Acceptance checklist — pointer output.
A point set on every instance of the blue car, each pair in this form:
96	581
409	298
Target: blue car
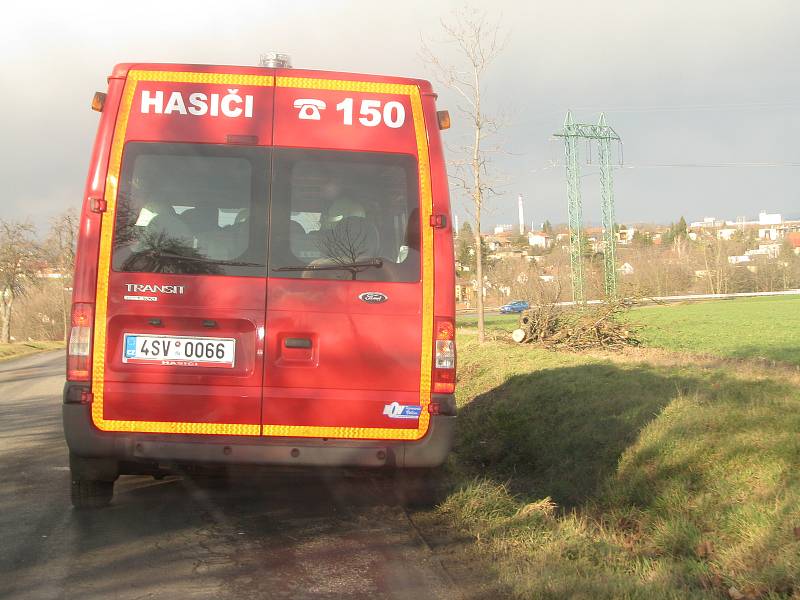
515	307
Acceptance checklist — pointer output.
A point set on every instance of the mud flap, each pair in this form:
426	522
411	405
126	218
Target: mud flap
93	469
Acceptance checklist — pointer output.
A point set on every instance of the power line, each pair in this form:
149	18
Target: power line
700	107
709	165
698	165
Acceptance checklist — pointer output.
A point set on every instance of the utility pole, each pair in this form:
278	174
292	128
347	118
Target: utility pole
607	206
603	133
574	208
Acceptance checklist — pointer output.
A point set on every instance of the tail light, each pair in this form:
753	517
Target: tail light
444	357
80	342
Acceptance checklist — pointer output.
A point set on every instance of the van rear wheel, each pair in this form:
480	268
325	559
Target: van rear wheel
90	493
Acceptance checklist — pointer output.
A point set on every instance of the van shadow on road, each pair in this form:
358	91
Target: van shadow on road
253	534
282	529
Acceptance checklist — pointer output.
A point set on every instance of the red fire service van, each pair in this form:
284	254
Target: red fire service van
264	275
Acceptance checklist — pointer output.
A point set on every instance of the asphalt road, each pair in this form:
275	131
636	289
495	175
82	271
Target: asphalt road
260	535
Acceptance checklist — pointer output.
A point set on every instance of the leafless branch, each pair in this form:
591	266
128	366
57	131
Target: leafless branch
477	43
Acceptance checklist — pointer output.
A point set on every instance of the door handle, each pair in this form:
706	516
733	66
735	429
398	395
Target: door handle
297	343
209	323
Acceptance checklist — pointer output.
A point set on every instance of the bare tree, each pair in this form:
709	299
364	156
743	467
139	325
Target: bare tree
478	43
60	253
346	247
716	266
18	256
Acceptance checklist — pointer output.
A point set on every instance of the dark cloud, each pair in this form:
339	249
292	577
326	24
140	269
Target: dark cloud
687	84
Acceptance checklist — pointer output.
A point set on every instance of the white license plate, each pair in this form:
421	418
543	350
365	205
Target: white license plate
177	350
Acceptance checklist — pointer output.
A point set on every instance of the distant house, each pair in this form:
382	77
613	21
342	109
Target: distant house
793	238
768	233
739	260
498	241
625	235
508	253
726	233
765	218
539	239
707	223
626	269
768	250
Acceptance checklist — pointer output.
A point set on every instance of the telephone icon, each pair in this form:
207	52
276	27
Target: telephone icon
309	108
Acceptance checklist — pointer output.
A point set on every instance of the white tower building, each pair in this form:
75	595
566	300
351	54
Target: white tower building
521	217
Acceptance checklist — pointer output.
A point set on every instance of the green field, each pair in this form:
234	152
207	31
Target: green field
760	328
764	328
582	476
494	322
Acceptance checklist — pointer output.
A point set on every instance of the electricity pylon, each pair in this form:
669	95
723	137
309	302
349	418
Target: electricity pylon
601	132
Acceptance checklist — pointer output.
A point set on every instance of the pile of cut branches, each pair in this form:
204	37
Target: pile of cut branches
577	327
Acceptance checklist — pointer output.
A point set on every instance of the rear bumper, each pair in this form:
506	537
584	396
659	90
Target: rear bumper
85	441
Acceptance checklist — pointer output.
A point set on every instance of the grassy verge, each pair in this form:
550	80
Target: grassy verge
22	348
588	477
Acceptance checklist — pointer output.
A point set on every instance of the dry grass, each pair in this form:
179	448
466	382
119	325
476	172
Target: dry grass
8	351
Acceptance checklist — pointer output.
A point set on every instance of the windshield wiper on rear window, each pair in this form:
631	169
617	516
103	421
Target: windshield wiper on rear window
202	259
354	267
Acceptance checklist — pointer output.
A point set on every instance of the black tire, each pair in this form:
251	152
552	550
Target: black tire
90	493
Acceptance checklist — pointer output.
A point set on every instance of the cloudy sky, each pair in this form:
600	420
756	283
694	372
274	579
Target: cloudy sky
704	93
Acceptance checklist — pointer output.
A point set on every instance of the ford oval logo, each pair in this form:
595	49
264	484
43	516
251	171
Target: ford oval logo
373	297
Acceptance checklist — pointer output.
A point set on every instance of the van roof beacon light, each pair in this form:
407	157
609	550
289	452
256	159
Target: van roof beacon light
275	60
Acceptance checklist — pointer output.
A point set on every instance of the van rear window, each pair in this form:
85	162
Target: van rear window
203	209
344	215
192	209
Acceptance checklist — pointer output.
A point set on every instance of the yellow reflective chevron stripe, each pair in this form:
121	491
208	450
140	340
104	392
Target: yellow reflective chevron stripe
104	261
106	237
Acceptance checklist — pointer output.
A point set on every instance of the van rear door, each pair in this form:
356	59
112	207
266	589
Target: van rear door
350	288
181	277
